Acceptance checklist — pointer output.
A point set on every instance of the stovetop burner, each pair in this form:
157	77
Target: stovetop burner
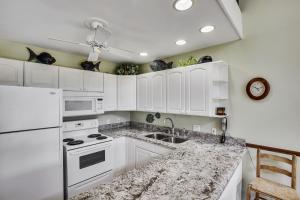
75	142
94	135
101	137
68	140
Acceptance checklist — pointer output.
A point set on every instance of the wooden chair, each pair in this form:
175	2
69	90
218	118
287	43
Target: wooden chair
267	188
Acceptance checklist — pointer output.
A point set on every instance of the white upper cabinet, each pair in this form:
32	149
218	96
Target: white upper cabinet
110	92
144	92
151	92
158	85
197	90
93	81
80	80
40	75
70	79
126	92
176	90
11	72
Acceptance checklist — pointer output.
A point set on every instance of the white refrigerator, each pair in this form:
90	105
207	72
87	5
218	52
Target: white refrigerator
31	158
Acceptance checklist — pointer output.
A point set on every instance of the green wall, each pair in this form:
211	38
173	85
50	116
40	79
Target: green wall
18	51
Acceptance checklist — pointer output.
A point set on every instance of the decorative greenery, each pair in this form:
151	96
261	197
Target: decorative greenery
127	69
190	61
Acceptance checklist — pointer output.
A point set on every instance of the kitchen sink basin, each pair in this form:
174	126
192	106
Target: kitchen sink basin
157	136
175	140
166	138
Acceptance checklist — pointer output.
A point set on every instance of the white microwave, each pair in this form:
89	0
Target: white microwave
82	103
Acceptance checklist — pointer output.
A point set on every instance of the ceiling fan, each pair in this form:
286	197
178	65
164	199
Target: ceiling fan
99	29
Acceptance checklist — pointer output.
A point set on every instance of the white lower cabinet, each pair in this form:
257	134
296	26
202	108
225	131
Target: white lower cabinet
11	72
110	92
119	155
40	75
233	189
132	153
140	152
142	156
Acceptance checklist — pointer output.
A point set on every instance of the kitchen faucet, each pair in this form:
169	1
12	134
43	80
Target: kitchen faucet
172	123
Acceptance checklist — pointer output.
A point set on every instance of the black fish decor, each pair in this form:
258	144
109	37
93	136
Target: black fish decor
150	118
205	59
90	66
43	57
158	65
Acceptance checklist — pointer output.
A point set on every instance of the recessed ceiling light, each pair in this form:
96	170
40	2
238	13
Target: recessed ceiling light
143	54
207	29
182	5
180	42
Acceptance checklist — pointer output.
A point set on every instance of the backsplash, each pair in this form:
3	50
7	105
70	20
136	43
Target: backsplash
113	118
181	121
178	131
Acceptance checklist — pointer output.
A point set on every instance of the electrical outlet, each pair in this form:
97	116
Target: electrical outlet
214	131
197	128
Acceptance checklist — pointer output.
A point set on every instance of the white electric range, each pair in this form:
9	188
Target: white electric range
87	156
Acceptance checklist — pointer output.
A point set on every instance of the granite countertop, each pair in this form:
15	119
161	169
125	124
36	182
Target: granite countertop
199	168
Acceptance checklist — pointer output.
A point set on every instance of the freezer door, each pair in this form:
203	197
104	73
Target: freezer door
26	108
31	165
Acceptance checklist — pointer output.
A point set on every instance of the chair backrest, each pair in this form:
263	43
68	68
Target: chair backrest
292	162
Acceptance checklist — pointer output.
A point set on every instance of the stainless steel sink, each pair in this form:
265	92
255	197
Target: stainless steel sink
166	138
157	136
175	140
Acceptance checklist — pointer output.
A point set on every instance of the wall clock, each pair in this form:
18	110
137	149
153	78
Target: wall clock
258	88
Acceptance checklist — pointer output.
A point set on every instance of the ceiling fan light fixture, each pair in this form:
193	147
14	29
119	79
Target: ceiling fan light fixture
182	5
180	42
143	54
207	29
93	56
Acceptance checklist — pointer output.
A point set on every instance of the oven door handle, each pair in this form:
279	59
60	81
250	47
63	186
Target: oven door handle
77	152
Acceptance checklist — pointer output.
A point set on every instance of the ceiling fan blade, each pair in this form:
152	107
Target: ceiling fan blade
120	52
70	42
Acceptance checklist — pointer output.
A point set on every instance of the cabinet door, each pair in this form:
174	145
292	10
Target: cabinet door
176	90
142	156
144	92
119	155
70	79
11	72
158	86
40	75
126	92
110	92
144	151
197	90
93	81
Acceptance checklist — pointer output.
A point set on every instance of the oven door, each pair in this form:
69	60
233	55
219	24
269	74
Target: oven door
75	106
87	162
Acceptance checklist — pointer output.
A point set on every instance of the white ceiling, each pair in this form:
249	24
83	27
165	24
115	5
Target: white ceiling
150	26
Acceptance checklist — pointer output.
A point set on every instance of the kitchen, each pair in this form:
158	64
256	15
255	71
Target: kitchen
182	119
